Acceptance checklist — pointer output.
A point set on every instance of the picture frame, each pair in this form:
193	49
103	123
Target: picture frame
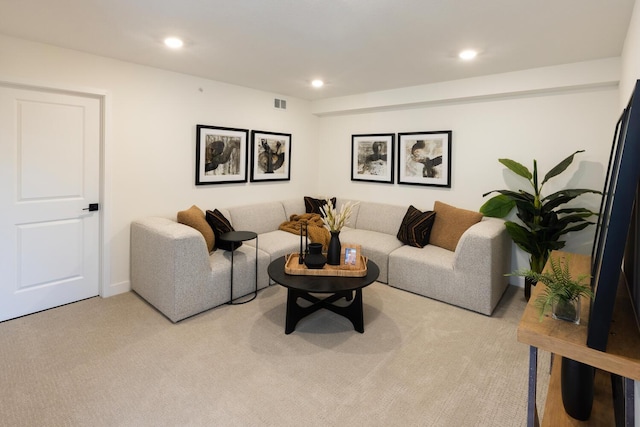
221	155
350	256
424	158
275	146
372	157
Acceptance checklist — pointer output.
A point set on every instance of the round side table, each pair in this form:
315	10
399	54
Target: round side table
235	237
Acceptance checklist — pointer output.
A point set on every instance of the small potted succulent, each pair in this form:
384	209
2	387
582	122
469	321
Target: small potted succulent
562	293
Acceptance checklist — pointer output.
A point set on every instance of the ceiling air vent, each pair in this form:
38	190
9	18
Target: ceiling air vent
280	104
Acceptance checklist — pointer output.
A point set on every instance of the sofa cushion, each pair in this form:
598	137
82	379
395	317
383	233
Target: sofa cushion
380	217
221	225
195	217
375	246
312	205
259	217
416	227
293	207
450	224
278	243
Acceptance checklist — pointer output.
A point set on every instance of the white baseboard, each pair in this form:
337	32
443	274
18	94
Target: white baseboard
116	288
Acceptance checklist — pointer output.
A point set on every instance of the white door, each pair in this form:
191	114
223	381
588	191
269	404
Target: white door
49	174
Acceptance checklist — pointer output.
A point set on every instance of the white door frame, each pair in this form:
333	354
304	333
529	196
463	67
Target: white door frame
104	277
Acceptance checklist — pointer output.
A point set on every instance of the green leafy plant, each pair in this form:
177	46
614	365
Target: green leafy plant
560	286
543	222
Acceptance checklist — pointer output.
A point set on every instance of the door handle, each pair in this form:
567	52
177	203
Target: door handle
92	207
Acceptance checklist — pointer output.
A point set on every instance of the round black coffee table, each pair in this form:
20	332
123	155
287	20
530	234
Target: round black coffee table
336	287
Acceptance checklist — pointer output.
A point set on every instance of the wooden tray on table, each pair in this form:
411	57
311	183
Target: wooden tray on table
343	270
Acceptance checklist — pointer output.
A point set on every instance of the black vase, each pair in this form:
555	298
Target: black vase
333	252
314	258
577	388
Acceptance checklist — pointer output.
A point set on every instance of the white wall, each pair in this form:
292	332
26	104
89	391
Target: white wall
544	114
630	58
152	115
546	125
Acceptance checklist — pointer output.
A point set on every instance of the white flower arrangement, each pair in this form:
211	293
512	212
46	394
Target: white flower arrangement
333	219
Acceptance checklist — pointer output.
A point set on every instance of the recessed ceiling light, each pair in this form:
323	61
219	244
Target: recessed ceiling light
173	42
468	54
317	83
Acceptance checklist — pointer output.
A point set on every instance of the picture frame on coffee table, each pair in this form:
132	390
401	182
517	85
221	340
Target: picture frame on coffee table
372	157
270	156
424	158
221	155
349	255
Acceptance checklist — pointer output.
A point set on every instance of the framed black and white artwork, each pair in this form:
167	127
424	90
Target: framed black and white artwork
424	158
372	157
221	155
270	156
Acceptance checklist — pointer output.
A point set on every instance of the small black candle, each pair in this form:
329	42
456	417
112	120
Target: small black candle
300	260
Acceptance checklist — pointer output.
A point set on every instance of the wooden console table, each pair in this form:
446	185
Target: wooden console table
569	340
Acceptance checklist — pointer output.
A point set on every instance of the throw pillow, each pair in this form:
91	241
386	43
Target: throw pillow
312	205
450	224
220	225
416	227
194	217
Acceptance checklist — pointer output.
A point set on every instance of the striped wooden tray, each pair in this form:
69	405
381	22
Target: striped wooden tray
294	268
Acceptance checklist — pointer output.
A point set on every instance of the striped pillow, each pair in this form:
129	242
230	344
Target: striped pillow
220	225
416	227
312	205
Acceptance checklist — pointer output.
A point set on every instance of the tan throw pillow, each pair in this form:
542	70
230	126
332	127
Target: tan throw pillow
194	217
450	224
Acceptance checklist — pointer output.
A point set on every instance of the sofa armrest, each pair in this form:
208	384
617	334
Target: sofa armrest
169	265
483	257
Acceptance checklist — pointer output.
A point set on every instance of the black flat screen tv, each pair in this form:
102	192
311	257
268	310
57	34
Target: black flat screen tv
616	238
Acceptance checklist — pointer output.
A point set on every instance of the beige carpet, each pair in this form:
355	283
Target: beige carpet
119	362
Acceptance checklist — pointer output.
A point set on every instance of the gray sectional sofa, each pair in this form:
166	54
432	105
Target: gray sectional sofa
172	269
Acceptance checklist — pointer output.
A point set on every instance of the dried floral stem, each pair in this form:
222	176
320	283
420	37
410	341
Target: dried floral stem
333	219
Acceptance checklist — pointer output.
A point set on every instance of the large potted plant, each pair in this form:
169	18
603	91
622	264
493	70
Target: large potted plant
543	222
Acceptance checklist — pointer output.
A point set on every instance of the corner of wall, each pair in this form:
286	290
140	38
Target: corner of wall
630	58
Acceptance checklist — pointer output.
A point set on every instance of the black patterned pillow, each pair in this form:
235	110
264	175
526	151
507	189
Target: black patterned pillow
312	205
416	227
220	225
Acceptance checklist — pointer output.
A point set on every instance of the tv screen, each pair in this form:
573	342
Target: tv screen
614	233
632	258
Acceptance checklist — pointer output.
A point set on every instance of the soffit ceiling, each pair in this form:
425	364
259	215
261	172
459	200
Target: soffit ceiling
356	46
